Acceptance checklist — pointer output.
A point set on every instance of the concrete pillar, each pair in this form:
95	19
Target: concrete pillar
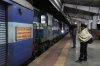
79	26
89	24
94	25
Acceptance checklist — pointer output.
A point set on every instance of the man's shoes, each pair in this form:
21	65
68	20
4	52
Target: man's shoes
79	61
73	47
84	59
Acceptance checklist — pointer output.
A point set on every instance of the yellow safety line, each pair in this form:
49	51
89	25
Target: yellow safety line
62	58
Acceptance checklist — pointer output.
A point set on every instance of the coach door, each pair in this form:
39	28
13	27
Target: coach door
3	34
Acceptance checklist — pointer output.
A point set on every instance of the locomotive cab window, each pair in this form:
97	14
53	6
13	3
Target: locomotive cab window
43	19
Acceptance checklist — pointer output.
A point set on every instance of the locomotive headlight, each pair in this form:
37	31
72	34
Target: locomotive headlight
62	31
98	22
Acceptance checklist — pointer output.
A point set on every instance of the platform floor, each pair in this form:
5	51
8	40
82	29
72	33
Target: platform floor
93	55
55	56
61	54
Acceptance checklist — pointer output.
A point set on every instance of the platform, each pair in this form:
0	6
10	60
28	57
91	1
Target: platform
55	56
61	54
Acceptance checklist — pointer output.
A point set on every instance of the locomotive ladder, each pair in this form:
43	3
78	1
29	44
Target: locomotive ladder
2	35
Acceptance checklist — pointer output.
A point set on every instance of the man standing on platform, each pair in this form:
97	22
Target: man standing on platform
84	36
74	33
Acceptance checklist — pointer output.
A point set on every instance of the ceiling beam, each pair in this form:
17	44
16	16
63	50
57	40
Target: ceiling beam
91	9
81	16
79	19
54	3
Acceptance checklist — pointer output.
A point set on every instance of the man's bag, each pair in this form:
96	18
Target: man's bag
90	41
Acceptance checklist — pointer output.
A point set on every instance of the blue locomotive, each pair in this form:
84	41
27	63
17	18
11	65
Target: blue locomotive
46	31
25	31
42	30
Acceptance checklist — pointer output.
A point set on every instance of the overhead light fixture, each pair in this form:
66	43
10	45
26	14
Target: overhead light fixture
75	23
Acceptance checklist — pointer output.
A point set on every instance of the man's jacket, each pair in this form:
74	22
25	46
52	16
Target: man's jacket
84	36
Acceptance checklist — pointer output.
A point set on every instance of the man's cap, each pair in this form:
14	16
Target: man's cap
83	25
